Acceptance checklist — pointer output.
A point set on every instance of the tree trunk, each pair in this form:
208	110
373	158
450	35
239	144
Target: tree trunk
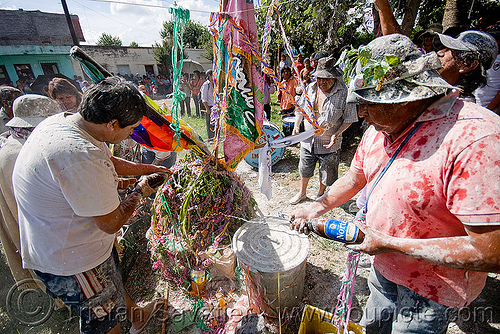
377	31
450	17
410	16
332	33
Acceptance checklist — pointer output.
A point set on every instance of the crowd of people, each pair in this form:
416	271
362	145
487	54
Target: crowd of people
423	167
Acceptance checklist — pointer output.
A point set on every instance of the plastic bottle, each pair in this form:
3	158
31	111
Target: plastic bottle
337	230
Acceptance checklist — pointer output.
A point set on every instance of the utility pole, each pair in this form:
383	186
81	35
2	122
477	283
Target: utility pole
70	23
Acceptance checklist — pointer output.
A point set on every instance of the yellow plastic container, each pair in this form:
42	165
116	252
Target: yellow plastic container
317	321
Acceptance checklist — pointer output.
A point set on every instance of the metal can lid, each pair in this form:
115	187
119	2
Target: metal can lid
268	245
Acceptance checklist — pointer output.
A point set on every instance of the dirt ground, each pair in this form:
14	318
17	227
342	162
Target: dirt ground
325	268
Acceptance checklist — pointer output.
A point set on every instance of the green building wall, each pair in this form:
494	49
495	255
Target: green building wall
35	56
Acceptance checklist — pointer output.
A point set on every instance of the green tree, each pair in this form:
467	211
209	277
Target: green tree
163	52
316	25
417	15
329	25
469	14
195	36
198	36
134	44
108	40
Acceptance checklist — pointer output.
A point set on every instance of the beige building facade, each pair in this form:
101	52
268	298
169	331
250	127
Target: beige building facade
132	60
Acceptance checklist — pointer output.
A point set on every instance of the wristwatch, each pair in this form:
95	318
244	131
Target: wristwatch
134	190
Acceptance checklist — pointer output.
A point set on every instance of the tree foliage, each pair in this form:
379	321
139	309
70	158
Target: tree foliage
195	36
316	25
109	40
134	44
472	14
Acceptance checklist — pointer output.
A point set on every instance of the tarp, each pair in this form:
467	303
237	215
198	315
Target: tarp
189	66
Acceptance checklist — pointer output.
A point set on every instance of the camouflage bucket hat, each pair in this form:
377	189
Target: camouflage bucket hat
30	109
478	42
432	30
326	69
391	69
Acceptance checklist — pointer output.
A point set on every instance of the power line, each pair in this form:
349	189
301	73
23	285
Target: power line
109	18
191	10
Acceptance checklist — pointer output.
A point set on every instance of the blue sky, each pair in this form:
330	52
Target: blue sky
139	23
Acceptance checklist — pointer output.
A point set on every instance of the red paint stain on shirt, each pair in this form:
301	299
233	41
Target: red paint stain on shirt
462	194
422	141
414	274
433	292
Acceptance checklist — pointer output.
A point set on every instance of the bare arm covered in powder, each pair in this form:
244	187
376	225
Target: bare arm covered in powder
479	250
125	167
340	192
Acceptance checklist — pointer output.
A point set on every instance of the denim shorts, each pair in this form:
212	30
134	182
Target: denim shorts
97	295
328	168
393	308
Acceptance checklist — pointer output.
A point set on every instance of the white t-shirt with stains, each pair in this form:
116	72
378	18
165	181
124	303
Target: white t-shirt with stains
485	94
64	177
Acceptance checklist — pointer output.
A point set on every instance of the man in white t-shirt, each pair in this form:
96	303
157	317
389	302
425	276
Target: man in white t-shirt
489	95
207	98
65	183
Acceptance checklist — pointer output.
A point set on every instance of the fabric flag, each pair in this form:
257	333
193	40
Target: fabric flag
265	159
155	133
243	117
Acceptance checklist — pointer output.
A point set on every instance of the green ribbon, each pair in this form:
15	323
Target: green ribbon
180	18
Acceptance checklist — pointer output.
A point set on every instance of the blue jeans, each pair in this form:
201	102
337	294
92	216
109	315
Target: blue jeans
97	295
393	308
149	156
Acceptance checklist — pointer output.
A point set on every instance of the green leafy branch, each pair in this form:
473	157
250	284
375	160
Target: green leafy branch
376	70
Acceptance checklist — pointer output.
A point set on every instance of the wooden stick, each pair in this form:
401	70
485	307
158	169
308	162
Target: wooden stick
165	310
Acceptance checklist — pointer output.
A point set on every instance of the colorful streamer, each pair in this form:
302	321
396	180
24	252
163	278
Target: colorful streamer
216	19
238	84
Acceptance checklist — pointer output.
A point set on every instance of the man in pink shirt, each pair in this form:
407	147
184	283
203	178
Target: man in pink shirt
433	215
290	82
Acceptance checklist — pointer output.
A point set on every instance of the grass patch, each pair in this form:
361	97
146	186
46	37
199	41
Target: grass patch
199	124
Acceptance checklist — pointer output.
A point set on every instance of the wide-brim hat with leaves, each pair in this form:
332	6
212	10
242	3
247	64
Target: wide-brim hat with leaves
391	69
